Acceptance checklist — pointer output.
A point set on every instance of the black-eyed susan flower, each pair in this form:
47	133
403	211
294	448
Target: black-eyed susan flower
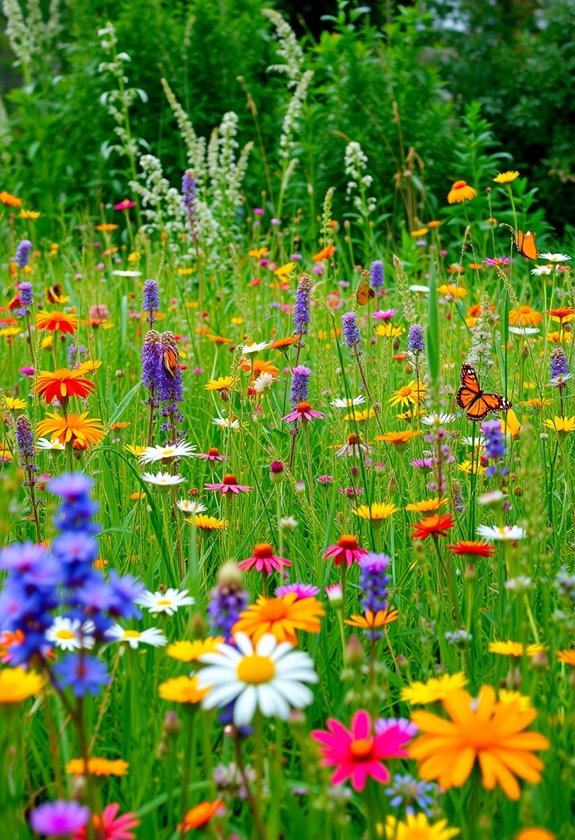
506	177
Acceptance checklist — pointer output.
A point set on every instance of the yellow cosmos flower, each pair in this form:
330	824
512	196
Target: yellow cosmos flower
29	214
410	394
483	731
418	827
182	690
427	505
15	403
516	649
452	291
471	467
388	330
360	416
17	684
419	232
257	253
285	270
208	523
506	177
563	425
535	402
437	688
186	651
222	383
10	332
506	696
376	512
134	450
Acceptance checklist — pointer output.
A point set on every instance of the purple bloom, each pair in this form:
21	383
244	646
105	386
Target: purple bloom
302	590
373	582
169	385
299	384
26	295
25	445
152	359
151	296
227	600
189	193
494	445
493	261
377	274
422	463
71	485
23	252
351	333
301	308
59	819
415	339
559	367
76	352
384	314
85	674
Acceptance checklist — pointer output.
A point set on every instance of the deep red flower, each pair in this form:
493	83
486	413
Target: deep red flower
433	526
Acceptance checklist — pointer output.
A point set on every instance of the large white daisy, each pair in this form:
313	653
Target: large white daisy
164	453
163	479
152	636
168	602
268	677
507	532
71	634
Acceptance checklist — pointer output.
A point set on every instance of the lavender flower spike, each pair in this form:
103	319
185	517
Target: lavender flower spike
23	252
299	384
377	275
301	308
351	333
151	297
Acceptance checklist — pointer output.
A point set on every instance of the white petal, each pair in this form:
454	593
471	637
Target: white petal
216	676
298	695
270	702
244	643
245	706
266	645
221	696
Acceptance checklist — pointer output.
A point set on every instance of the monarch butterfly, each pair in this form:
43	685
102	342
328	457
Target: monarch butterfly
526	245
364	292
171	360
475	402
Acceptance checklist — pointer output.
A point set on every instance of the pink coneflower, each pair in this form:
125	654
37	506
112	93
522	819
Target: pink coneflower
229	484
346	549
264	560
302	590
422	463
384	314
325	479
110	827
27	371
126	204
494	261
358	753
213	454
353	447
303	412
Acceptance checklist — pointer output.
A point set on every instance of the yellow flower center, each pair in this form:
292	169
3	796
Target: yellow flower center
164	603
256	669
132	634
361	748
65	634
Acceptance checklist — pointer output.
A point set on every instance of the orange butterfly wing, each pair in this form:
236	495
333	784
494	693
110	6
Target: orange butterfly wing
526	245
364	293
475	402
171	361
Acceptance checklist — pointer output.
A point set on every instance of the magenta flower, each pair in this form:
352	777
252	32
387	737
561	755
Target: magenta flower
111	827
59	819
302	590
229	484
264	560
384	314
213	454
303	412
345	550
126	204
358	753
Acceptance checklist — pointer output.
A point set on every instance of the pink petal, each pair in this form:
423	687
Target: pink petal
361	724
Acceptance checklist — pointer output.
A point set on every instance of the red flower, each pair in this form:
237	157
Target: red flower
433	526
472	548
264	560
229	484
347	548
110	827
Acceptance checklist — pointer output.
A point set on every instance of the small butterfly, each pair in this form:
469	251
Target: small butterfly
364	292
475	402
171	361
526	245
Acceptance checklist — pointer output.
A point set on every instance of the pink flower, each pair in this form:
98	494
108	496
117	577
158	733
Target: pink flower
358	753
384	314
126	204
229	484
303	411
346	549
107	827
212	454
264	560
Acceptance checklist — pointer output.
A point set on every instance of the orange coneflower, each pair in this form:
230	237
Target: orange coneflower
524	316
460	192
62	384
282	617
78	429
57	321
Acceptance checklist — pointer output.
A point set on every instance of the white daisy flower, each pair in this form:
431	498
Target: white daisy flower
263	382
70	634
163	479
288	523
161	453
492	497
554	258
45	443
268	676
340	402
226	423
478	441
524	330
507	532
168	602
120	273
188	506
542	270
134	638
248	349
437	419
422	289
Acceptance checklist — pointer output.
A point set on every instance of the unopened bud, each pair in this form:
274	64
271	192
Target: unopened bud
172	724
354	652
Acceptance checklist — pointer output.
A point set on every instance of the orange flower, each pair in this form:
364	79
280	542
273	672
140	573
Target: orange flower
97	767
371	620
524	316
10	200
324	254
63	384
53	321
106	227
201	815
284	343
567	656
281	617
460	192
433	526
259	366
78	429
472	548
398	438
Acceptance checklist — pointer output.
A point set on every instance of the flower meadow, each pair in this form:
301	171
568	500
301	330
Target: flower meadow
287	506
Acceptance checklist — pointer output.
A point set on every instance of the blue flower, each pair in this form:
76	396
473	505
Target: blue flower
84	674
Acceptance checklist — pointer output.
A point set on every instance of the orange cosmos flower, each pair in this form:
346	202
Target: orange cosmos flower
324	254
460	192
78	429
433	526
57	321
284	343
97	767
398	438
10	200
567	656
371	620
201	814
281	617
524	316
259	366
485	731
62	384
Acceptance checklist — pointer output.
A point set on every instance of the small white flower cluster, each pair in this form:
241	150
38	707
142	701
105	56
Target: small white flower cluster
288	49
355	163
32	38
225	172
162	205
291	121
